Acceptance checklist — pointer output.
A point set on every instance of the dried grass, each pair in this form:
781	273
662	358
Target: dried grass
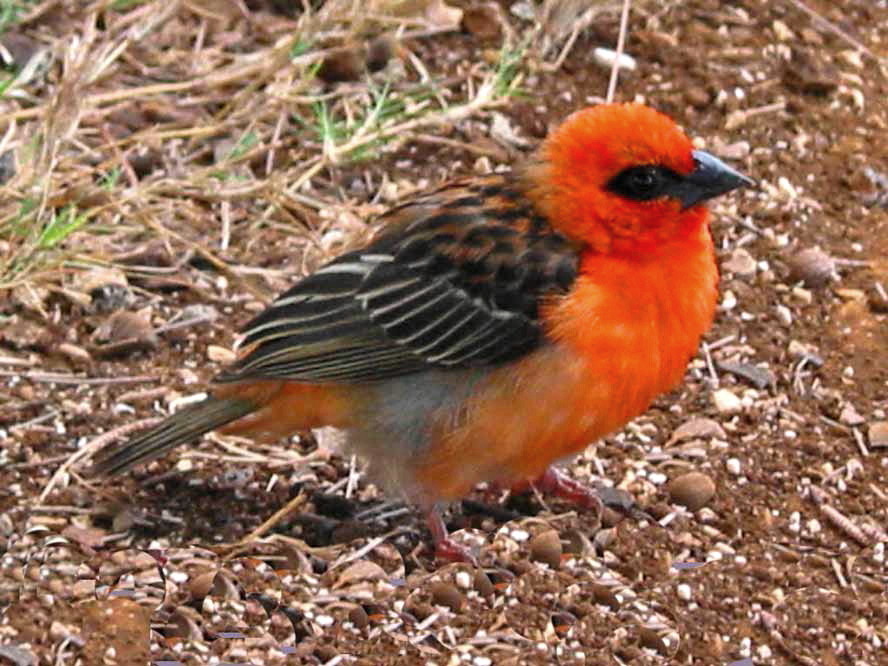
174	121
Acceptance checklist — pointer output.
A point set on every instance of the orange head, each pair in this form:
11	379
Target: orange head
623	178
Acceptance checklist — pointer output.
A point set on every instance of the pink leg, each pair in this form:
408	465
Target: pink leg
445	547
556	482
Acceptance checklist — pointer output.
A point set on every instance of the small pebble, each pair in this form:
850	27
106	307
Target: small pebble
784	315
607	57
684	592
463	580
740	263
729	301
358	617
519	535
445	594
483	584
733	466
878	434
692	490
546	547
850	416
813	267
220	354
802	295
726	402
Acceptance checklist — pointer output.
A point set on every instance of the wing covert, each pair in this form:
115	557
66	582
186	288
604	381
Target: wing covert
454	281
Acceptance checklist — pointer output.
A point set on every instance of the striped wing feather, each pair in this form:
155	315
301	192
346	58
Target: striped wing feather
455	281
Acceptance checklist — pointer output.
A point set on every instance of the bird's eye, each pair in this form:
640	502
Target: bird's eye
643	180
641	183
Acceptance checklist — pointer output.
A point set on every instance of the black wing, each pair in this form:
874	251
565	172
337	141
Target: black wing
455	281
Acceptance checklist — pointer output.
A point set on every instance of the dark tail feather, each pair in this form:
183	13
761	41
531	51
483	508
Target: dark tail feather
183	426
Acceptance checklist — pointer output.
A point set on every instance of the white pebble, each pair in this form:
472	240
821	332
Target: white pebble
657	478
463	580
726	402
784	315
763	652
684	592
733	466
519	535
607	58
729	301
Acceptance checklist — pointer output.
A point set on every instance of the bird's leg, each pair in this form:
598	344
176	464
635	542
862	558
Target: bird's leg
445	547
559	484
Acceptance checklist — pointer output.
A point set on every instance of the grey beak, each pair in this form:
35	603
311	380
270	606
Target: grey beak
709	179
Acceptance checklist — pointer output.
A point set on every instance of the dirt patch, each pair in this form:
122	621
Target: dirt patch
784	564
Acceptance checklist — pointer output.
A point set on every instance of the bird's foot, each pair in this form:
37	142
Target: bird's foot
557	483
445	547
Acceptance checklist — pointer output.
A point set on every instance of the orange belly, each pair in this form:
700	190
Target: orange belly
616	347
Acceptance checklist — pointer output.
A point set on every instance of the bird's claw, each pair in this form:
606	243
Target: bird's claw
450	551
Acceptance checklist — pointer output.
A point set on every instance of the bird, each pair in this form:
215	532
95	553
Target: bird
495	326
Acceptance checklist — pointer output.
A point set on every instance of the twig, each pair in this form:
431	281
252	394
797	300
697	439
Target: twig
621	41
275	518
839	520
93	446
77	380
10	360
832	27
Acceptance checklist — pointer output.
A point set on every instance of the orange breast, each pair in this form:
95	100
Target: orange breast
623	336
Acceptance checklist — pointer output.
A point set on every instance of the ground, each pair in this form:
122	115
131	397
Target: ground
167	167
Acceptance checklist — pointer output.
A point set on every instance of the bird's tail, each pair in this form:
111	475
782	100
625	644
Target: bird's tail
183	426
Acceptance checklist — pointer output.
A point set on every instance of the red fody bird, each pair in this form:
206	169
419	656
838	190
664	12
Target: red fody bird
496	324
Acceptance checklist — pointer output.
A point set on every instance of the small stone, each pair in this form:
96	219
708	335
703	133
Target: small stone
74	353
483	21
463	579
692	490
799	350
784	315
811	36
726	402
850	416
358	617
878	434
546	547
608	57
782	31
483	584
684	592
523	10
803	296
696	428
740	263
813	267
733	466
735	151
698	97
124	332
760	378
852	57
851	295
809	73
445	594
220	354
729	301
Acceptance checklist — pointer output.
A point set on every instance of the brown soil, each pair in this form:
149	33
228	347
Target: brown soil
786	563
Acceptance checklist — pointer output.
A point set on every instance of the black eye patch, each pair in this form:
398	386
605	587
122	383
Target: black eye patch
643	183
